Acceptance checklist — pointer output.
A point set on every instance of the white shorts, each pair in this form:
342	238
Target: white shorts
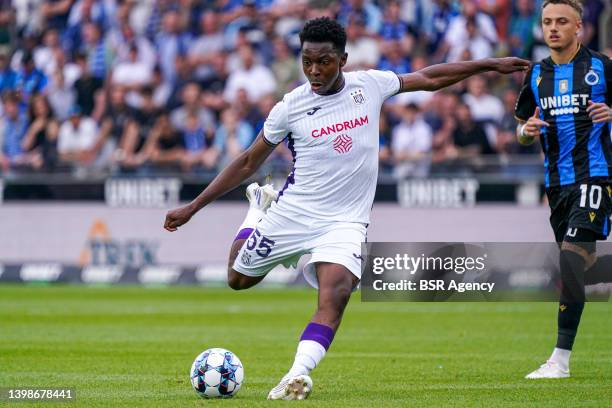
280	239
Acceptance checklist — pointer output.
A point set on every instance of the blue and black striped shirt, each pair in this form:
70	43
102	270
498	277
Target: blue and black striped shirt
575	148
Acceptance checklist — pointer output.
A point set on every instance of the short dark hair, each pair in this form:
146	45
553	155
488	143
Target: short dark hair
324	29
575	4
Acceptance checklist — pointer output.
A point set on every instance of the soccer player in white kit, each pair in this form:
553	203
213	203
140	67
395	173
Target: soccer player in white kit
331	127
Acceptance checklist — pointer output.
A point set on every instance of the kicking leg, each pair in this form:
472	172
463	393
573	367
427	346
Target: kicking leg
336	283
260	199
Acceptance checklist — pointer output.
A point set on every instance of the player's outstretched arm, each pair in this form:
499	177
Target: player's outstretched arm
241	168
442	75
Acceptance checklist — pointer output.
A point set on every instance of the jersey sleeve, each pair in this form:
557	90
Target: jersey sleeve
276	125
387	81
525	103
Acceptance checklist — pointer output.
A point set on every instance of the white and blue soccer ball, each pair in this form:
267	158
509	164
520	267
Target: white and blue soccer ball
216	373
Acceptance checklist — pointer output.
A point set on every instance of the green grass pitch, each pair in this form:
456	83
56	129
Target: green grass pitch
133	346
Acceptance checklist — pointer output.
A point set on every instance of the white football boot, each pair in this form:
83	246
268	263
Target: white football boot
549	369
261	197
292	388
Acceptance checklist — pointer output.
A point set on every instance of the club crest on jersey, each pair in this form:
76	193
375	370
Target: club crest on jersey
358	96
563	86
591	78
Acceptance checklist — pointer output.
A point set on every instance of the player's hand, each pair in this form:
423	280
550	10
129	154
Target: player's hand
509	65
599	112
534	125
177	217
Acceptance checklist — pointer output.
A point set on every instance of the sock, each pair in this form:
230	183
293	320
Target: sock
250	221
600	272
571	303
561	357
313	345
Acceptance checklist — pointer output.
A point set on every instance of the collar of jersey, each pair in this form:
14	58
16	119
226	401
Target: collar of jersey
571	59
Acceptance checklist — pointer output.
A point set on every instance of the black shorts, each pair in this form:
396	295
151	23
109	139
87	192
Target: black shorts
580	206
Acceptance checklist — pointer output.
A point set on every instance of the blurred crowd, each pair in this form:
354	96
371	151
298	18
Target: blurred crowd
149	85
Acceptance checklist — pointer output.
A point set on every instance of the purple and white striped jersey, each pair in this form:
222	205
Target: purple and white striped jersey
334	141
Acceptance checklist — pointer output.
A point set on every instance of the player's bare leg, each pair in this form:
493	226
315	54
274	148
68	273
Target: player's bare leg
260	198
336	284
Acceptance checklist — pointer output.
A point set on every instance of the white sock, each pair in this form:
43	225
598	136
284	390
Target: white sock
309	354
254	215
561	357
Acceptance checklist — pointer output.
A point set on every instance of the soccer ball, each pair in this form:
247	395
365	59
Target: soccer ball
216	373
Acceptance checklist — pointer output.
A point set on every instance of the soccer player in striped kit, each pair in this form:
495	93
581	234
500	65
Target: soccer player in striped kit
565	102
331	125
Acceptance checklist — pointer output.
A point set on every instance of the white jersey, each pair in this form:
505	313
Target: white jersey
335	141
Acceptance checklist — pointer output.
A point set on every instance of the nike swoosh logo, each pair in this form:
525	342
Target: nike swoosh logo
358	256
313	111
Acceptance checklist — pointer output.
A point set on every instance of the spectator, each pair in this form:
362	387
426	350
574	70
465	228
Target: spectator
99	57
476	46
192	105
436	27
87	87
285	68
130	153
256	79
20	16
393	59
77	139
469	138
207	46
124	39
88	10
116	120
133	73
593	10
198	151
457	34
184	76
45	55
484	106
61	96
171	43
162	91
214	86
420	98
370	13
363	51
411	143
8	77
29	80
164	147
393	28
523	21
13	127
233	136
41	137
56	12
500	11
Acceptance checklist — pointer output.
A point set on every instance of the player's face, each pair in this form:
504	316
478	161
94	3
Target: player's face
322	65
561	24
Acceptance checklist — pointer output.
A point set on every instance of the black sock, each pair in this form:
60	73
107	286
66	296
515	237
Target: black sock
571	303
600	272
